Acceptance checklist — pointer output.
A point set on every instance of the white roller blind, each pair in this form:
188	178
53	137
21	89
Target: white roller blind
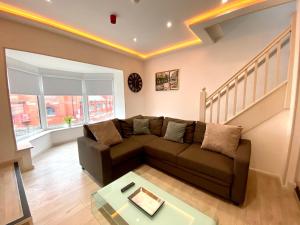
99	87
62	86
23	83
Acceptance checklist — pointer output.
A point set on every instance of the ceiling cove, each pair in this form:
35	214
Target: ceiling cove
212	14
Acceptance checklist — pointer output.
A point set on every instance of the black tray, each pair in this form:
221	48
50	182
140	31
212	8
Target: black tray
146	201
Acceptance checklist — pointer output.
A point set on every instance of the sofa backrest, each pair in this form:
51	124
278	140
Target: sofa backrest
199	132
189	131
127	126
194	132
155	124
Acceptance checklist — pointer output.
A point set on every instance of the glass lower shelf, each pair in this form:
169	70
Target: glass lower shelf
113	205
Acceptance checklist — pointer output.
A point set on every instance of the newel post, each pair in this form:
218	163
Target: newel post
202	105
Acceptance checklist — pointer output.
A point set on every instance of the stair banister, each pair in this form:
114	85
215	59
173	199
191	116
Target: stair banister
241	78
260	55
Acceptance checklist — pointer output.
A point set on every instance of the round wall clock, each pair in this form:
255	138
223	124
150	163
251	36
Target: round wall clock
135	82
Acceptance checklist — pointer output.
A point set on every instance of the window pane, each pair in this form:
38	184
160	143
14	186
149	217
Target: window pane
25	115
60	107
100	108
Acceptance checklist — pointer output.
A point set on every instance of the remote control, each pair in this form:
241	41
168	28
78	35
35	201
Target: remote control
127	187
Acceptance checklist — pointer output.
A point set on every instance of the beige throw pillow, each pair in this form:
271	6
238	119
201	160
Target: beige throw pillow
222	138
106	133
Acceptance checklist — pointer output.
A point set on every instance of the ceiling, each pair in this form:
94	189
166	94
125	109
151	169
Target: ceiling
145	21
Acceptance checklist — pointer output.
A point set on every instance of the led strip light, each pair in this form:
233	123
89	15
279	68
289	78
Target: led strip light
223	9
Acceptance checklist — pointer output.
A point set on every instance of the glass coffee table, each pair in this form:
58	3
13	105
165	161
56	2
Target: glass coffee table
110	203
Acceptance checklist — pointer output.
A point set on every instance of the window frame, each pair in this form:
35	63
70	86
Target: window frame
20	138
58	126
42	104
88	108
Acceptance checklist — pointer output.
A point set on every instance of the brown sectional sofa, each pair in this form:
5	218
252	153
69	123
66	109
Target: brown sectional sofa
203	168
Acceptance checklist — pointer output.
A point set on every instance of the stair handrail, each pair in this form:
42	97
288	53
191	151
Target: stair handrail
264	52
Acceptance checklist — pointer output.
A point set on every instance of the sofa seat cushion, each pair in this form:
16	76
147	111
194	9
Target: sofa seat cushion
128	149
143	139
164	149
207	162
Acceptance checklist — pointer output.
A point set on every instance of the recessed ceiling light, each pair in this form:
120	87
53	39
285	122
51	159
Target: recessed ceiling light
224	1
169	24
49	1
135	1
135	39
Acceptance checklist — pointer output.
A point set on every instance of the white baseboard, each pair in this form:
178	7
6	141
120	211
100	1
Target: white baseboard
289	184
268	174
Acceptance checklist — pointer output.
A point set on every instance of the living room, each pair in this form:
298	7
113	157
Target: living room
226	62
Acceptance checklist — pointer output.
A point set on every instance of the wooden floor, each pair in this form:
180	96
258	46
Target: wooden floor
58	192
10	204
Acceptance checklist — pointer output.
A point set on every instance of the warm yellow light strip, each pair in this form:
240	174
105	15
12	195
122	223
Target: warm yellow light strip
223	9
37	18
174	47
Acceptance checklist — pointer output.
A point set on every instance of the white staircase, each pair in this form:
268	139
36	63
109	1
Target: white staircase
260	90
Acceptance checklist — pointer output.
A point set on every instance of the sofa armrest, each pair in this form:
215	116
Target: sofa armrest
95	158
240	170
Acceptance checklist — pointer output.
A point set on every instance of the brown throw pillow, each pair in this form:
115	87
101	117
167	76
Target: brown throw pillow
199	132
106	133
155	124
222	138
87	132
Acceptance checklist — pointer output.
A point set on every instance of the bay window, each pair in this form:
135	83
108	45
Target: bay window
100	107
100	100
25	115
24	92
63	98
42	101
60	107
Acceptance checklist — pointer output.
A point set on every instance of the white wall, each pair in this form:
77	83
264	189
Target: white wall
209	66
42	142
66	135
292	171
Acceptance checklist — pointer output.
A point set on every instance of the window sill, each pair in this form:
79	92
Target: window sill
25	143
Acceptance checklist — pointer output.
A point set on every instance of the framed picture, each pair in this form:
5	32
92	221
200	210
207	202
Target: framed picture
174	80
167	80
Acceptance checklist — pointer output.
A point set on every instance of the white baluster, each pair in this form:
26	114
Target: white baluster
211	109
218	112
278	63
266	72
226	102
202	105
255	80
245	88
235	95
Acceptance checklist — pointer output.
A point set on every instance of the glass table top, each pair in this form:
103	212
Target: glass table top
114	205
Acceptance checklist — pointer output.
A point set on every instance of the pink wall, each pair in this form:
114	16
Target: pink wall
26	38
